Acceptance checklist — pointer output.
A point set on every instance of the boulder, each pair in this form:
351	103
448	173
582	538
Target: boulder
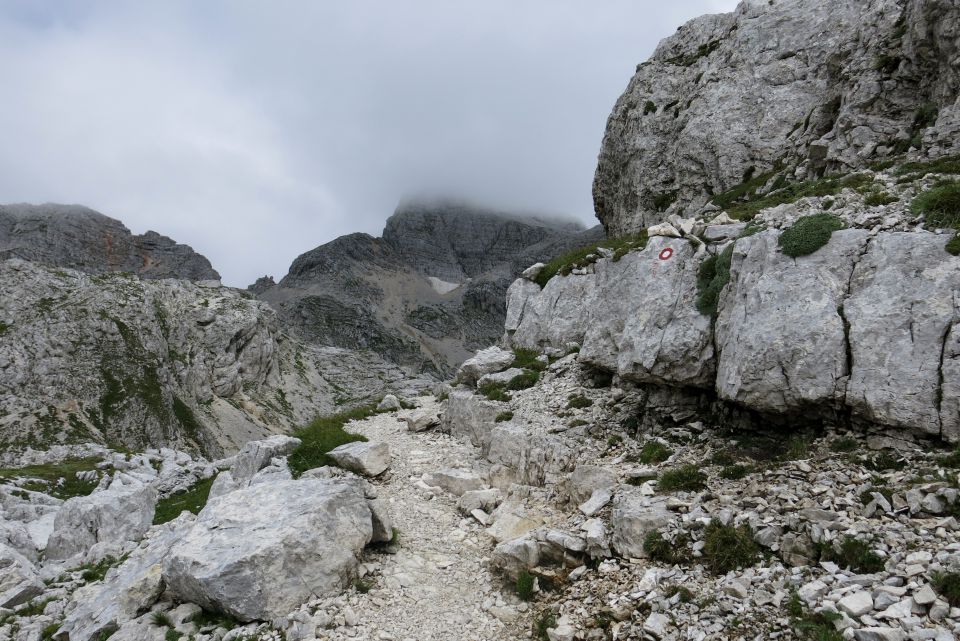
486	361
586	479
513	556
260	552
360	457
780	332
257	455
456	482
470	418
123	512
634	516
485	500
422	420
533	457
19	581
126	591
389	403
500	378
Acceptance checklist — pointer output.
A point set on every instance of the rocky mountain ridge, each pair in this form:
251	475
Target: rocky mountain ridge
76	237
775	92
426	294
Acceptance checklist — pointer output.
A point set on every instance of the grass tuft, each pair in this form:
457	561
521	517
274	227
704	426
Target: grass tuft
947	585
161	619
495	391
503	417
654	452
855	555
193	500
940	207
584	256
524	585
322	435
663	551
523	381
686	478
578	401
528	359
712	277
728	548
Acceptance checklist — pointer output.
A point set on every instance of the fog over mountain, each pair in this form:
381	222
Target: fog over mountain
254	132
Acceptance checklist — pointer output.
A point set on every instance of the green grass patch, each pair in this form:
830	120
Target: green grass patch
49	631
3	328
712	277
746	203
503	417
939	205
578	401
686	478
883	462
809	234
545	621
528	359
495	391
878	198
56	479
524	585
92	572
322	435
523	381
947	585
161	620
736	472
953	245
728	548
946	165
584	256
853	554
654	452
667	552
844	444
193	500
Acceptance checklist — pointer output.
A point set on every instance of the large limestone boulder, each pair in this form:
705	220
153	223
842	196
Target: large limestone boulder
257	455
633	517
259	552
19	581
470	418
486	361
123	512
653	333
904	312
367	459
780	332
532	457
126	591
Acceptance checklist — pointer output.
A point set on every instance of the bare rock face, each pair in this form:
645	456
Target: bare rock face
788	88
428	293
79	238
112	358
260	552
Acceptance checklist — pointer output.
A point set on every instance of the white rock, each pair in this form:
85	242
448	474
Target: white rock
856	604
456	482
878	634
388	403
596	502
18	579
365	458
262	551
656	625
421	420
486	361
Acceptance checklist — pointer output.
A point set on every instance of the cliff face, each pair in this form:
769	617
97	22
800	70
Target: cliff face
79	238
426	294
114	359
777	91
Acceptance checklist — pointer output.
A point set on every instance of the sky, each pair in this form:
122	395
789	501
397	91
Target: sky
254	131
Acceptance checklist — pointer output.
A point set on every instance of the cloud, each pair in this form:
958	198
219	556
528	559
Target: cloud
255	131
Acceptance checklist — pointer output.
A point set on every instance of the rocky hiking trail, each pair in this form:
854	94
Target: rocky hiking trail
435	584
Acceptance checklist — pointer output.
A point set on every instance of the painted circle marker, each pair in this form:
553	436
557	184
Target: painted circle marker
666	253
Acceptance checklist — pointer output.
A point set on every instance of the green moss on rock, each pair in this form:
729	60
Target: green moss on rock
713	276
809	234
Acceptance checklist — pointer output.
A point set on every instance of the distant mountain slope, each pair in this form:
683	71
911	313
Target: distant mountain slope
80	238
426	294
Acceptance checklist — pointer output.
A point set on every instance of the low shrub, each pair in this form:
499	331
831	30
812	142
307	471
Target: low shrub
940	205
161	620
712	277
686	596
92	572
566	263
503	417
844	444
663	551
495	391
878	198
578	401
545	621
524	585
193	500
528	359
523	381
736	472
745	203
945	165
809	234
686	478
854	554
947	585
953	245
322	435
654	452
728	548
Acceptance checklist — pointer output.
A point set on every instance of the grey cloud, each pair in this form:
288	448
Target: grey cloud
255	131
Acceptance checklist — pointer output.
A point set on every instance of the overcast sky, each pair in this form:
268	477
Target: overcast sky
254	131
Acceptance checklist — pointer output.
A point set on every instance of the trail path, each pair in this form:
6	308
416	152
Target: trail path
436	587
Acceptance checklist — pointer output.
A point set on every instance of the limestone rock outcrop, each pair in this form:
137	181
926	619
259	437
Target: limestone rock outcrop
778	89
79	238
259	552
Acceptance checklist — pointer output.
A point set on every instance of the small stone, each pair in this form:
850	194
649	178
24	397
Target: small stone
856	604
925	595
656	625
